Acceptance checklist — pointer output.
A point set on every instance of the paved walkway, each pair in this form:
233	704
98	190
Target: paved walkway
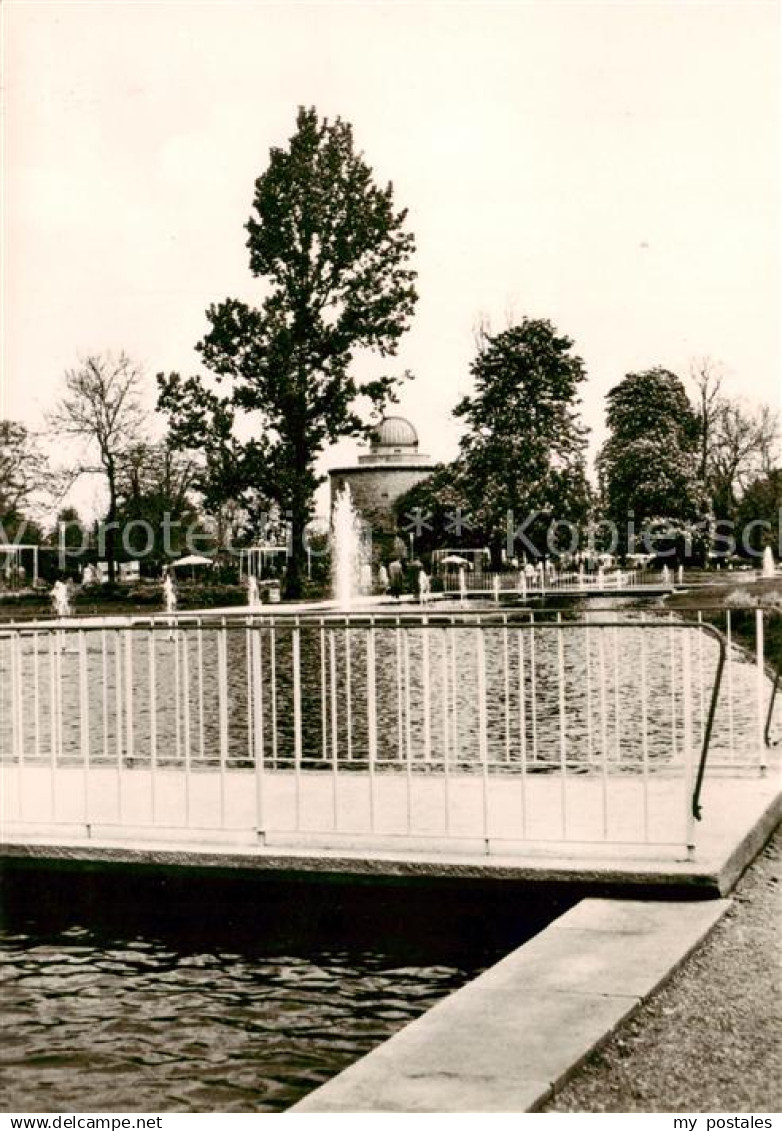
710	1039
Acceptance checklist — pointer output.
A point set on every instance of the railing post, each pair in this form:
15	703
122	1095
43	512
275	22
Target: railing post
729	649
257	713
562	723
483	744
506	682
456	746
446	738
334	729
348	693
152	672
129	730
324	730
644	731
273	687
200	658
119	721
297	718
687	761
84	726
672	642
222	711
371	721
533	692
36	696
701	700
408	727
53	752
603	698
17	716
522	731
426	689
760	681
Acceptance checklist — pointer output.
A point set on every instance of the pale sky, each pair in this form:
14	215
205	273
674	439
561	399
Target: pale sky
612	167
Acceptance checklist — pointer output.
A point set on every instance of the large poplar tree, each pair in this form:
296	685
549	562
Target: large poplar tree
334	257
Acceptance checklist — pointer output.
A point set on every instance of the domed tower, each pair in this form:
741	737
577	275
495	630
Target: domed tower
391	467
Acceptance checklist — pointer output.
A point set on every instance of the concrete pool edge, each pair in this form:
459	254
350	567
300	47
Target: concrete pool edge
712	874
508	1039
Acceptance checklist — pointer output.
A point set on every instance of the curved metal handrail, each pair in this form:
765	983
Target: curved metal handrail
767	729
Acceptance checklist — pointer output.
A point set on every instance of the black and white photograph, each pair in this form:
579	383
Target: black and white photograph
390	561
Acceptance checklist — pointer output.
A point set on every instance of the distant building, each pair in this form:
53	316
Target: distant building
382	475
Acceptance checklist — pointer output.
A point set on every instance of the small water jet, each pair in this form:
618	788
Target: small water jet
169	594
253	592
61	600
769	567
424	587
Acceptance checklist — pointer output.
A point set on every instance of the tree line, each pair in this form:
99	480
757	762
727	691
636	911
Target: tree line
685	471
333	257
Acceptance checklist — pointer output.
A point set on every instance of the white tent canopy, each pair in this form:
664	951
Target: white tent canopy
192	560
454	559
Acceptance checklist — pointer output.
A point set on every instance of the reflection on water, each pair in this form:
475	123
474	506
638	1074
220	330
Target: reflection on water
243	1005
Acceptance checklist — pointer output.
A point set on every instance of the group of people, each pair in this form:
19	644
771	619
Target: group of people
391	578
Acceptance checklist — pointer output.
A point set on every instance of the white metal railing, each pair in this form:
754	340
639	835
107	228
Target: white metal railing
462	728
537	582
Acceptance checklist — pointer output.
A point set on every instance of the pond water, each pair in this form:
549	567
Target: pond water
201	695
210	998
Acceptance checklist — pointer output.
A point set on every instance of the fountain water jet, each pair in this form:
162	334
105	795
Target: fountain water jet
769	568
348	556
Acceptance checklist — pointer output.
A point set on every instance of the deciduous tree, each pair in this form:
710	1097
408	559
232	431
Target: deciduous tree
22	474
648	467
102	409
334	255
156	486
737	442
523	451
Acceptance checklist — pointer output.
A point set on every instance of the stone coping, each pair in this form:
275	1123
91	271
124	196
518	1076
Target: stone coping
506	1040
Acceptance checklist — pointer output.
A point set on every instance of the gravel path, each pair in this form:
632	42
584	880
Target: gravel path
709	1040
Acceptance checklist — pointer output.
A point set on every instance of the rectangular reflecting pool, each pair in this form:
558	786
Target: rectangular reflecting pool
131	991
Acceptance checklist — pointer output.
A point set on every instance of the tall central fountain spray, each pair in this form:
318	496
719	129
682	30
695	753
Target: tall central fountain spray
346	550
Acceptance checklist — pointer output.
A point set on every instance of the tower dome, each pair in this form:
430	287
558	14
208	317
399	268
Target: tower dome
394	432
